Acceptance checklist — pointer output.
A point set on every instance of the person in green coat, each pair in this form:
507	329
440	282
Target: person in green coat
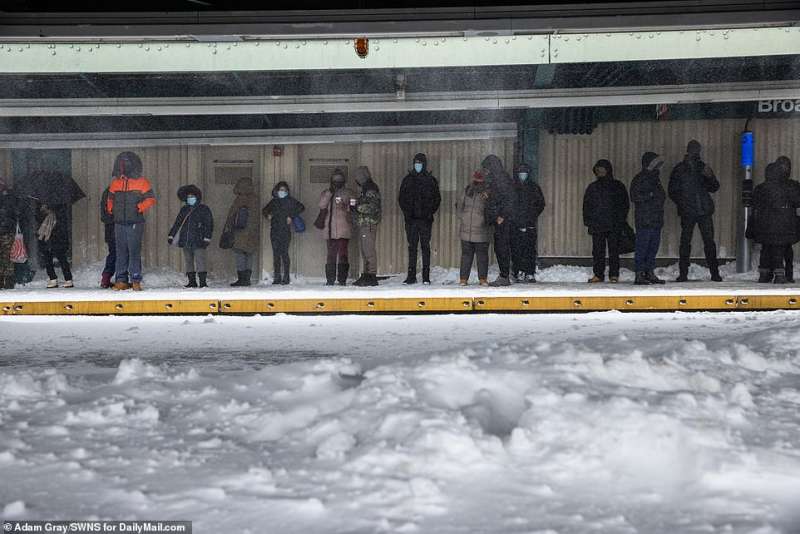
367	213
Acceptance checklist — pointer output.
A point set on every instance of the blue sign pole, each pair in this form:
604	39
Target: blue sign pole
743	249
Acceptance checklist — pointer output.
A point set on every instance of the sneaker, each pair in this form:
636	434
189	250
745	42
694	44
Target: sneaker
68	283
462	282
410	280
613	279
595	280
530	279
121	286
642	279
483	282
52	283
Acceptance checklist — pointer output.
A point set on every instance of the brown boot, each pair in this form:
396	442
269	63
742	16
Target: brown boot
462	282
595	280
121	286
613	279
483	282
137	286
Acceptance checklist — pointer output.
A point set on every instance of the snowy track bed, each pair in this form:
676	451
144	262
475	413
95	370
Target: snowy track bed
603	422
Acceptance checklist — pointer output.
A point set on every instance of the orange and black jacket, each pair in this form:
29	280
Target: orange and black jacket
129	199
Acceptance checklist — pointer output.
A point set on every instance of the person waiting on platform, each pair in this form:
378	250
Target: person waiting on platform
281	210
774	224
193	229
690	186
473	230
53	235
419	200
241	230
367	211
336	224
605	210
529	205
765	273
648	198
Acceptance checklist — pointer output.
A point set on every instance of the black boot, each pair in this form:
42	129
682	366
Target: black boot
715	276
642	279
683	275
790	273
277	279
764	276
203	279
371	280
192	279
412	277
780	276
651	276
343	271
330	274
426	274
362	280
246	277
239	278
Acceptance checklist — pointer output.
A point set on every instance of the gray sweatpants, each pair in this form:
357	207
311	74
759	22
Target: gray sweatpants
367	235
244	260
195	260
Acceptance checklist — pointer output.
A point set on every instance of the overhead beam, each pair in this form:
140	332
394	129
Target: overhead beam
145	56
488	20
388	102
367	134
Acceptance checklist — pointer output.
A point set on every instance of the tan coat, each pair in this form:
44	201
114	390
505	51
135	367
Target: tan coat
247	238
339	222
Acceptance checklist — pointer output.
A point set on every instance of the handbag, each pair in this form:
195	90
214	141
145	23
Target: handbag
298	224
319	222
19	254
627	239
227	239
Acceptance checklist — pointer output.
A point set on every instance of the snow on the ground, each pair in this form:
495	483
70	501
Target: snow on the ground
558	280
603	422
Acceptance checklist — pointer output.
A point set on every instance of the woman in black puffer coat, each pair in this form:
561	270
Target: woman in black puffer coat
193	229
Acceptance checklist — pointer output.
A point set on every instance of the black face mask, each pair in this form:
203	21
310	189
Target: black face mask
338	185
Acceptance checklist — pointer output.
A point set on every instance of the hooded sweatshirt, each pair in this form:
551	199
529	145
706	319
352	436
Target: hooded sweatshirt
501	191
419	196
691	184
648	194
605	202
529	200
775	202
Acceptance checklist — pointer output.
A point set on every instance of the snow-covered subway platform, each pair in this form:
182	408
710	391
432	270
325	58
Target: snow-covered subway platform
601	422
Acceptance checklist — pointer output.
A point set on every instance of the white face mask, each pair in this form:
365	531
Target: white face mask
418	167
523	176
283	194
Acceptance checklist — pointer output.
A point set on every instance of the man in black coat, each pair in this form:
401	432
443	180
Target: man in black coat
605	210
500	213
529	204
690	186
775	203
765	272
648	197
419	200
108	236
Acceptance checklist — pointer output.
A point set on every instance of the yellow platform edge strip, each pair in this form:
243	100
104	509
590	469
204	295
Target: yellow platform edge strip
534	304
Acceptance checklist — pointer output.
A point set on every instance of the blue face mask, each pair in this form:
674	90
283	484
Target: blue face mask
523	176
418	167
191	200
283	194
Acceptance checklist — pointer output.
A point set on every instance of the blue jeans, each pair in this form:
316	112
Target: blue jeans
647	243
129	251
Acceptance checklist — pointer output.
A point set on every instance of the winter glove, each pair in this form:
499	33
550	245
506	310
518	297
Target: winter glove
169	240
207	239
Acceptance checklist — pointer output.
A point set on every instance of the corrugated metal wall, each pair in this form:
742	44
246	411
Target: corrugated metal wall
5	164
453	163
566	163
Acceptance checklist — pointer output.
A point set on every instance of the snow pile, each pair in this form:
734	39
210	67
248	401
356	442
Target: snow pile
601	422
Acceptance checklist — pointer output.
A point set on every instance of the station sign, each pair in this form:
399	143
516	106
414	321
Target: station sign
779	106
